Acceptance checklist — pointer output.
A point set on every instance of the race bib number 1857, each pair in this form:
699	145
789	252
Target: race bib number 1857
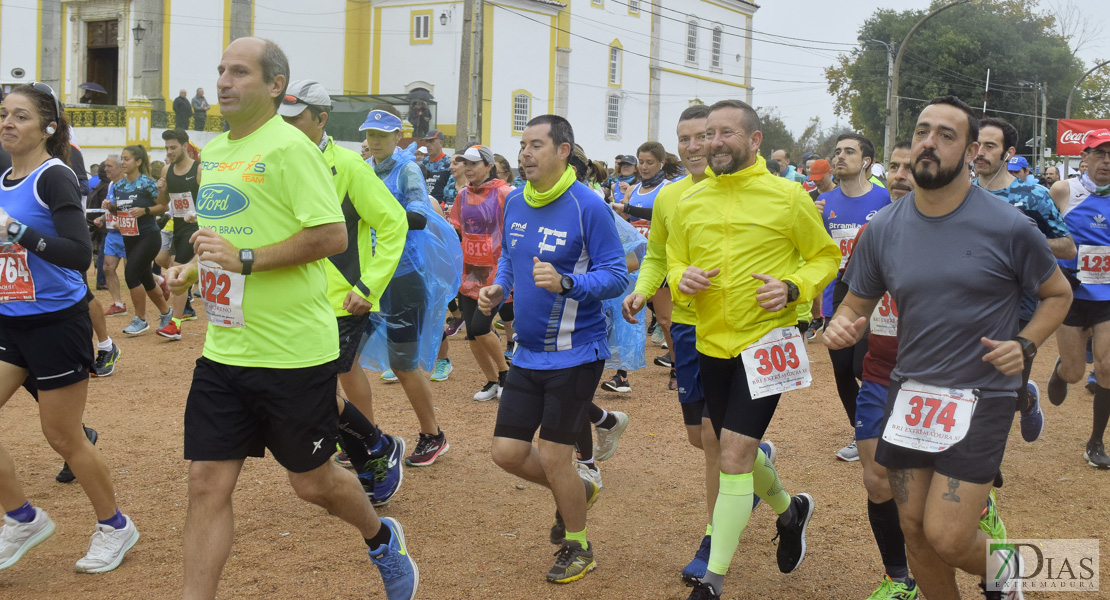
777	363
928	417
223	295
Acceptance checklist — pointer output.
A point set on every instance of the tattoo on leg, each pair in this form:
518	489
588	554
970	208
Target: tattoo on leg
950	495
898	480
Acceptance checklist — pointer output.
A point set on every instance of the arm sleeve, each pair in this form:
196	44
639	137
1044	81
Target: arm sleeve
608	275
71	248
820	254
640	212
378	209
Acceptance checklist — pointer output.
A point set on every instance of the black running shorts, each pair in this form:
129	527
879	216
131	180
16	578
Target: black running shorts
554	401
182	248
729	401
56	348
352	328
1087	313
975	459
235	412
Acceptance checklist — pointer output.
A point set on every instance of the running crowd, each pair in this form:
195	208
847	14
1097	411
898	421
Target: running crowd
925	287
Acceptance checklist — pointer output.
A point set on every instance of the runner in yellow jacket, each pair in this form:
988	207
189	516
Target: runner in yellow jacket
744	245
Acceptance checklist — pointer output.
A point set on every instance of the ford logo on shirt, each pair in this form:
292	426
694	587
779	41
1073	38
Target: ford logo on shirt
219	200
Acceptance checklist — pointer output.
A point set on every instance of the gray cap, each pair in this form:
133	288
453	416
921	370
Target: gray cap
302	93
477	153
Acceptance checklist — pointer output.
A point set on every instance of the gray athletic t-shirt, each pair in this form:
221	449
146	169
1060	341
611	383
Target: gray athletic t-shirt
955	279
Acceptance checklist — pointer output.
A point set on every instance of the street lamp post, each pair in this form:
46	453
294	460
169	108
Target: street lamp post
888	139
898	65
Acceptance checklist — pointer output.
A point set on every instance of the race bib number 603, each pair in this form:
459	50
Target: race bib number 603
928	417
777	363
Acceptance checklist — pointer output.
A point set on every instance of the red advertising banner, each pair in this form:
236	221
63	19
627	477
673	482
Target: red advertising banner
1070	134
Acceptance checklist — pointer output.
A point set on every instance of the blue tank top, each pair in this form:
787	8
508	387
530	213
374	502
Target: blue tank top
843	217
1089	224
55	288
636	197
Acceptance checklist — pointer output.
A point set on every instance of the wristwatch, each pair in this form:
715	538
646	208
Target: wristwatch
246	256
15	231
568	284
1028	348
792	292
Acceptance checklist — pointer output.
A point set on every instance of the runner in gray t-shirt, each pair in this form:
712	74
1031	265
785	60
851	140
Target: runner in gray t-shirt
956	260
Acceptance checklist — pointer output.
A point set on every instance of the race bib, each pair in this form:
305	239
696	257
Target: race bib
223	295
478	248
929	418
181	205
1094	264
16	282
777	363
643	226
110	221
884	319
126	224
846	240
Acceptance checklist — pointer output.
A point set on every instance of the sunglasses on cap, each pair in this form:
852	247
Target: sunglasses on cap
42	88
291	99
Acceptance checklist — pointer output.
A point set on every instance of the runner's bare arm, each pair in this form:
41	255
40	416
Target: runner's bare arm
1063	248
849	323
1059	192
305	246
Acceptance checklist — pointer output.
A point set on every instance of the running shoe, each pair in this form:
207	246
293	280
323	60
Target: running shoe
895	590
664	361
428	449
618	384
664	346
559	529
848	453
136	327
498	324
106	361
453	326
657	336
1032	420
388	376
1096	455
116	309
702	591
1092	383
341	458
697	567
672	383
442	370
108	546
990	521
510	348
165	288
607	438
171	331
399	572
66	475
490	391
16	538
792	536
1014	567
386	472
572	562
1057	387
189	314
591	474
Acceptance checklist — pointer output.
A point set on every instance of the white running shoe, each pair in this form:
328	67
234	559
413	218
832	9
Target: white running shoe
16	538
107	547
848	453
607	438
490	391
585	472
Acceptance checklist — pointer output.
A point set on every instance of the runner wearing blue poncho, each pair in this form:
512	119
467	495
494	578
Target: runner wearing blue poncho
405	335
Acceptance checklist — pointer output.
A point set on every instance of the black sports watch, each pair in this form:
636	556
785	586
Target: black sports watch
792	292
1028	348
568	284
246	256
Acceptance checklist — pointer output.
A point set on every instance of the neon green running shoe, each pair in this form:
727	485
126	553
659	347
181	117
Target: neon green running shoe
895	590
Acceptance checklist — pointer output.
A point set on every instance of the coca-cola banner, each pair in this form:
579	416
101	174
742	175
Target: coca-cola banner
1070	134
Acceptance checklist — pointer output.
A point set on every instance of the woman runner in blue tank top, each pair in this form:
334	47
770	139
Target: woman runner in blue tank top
45	330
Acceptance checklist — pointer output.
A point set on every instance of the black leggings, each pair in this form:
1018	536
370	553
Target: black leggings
847	364
141	251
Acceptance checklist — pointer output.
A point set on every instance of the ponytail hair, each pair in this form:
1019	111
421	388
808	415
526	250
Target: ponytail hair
672	166
139	154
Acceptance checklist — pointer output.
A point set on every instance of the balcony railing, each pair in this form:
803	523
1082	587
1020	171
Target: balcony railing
102	116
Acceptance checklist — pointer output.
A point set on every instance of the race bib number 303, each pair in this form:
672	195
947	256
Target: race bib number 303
1094	264
929	418
16	282
223	295
777	363
884	320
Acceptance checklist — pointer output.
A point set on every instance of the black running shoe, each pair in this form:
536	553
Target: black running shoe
792	537
105	363
1057	387
66	475
1096	455
664	361
702	591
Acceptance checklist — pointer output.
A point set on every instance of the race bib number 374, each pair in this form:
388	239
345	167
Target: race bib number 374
777	363
928	417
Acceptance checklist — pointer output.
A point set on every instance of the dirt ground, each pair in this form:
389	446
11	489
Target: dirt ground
477	532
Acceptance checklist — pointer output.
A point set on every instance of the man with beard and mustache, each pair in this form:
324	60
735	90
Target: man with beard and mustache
744	290
845	210
955	261
1087	209
997	140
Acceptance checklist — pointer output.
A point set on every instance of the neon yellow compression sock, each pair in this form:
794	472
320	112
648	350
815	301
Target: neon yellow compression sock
730	517
767	484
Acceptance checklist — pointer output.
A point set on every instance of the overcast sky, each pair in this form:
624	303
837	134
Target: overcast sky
823	21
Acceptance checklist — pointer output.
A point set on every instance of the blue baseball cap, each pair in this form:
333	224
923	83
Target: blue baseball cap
1017	163
381	121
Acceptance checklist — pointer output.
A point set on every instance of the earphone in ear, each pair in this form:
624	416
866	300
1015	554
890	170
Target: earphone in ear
50	129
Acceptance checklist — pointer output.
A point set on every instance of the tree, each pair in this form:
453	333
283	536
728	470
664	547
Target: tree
1092	99
775	134
950	55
